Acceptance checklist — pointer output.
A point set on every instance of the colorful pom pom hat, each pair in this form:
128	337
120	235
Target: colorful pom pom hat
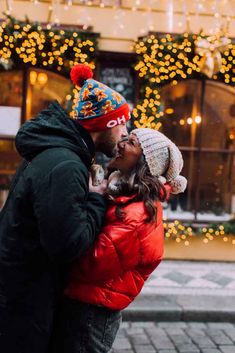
98	107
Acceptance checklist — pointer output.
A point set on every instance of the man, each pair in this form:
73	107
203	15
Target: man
50	217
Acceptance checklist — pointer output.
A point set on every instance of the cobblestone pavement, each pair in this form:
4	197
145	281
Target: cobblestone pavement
175	337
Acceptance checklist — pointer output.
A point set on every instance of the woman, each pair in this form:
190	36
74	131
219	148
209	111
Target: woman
129	247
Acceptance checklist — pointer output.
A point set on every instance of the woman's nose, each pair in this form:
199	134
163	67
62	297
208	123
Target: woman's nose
120	144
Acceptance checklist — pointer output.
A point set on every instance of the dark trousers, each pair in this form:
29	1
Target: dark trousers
84	328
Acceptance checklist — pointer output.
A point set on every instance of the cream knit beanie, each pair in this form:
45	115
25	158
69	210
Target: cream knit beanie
163	157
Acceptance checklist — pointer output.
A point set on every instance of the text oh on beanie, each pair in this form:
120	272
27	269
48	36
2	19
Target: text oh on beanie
98	107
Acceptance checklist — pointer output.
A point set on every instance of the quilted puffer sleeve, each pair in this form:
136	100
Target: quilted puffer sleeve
115	251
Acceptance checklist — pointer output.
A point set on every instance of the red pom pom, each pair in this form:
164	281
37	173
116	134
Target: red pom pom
80	73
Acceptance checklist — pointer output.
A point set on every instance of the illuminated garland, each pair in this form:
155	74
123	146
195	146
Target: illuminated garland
183	234
170	59
24	44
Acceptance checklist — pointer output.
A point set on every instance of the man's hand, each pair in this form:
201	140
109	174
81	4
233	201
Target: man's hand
97	174
100	189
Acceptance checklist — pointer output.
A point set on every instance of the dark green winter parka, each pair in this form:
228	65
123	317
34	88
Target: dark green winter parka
48	221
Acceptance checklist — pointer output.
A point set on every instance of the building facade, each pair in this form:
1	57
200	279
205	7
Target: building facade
199	115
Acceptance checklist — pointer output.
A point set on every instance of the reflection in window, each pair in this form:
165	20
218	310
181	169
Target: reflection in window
181	103
121	80
219	118
44	87
203	124
214	182
11	84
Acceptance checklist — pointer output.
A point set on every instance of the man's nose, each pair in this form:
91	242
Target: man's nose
124	131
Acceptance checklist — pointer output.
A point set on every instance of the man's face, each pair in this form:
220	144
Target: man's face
109	138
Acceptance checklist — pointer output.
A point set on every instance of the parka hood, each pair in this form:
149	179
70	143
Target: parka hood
52	128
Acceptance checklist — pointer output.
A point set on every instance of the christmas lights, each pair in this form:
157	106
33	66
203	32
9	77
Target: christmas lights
181	233
24	44
169	59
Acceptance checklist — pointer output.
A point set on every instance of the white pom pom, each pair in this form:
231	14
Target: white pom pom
162	179
178	184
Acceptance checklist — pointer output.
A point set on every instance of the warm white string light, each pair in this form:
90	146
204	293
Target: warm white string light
216	24
84	19
170	15
149	16
56	11
221	13
119	19
136	4
9	5
143	30
68	4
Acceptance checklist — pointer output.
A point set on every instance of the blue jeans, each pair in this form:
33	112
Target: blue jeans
84	328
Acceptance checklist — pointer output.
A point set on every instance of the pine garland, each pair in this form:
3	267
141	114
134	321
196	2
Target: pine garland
169	59
28	44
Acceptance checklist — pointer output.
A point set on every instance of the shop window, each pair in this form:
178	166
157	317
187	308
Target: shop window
121	80
200	118
43	88
11	84
116	71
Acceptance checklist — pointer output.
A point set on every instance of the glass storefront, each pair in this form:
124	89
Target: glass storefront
200	118
43	88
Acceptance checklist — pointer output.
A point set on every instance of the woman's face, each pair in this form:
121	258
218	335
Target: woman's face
129	152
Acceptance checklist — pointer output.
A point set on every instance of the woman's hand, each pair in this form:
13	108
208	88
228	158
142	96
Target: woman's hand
100	189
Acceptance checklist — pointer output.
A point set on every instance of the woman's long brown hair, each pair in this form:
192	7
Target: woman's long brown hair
145	186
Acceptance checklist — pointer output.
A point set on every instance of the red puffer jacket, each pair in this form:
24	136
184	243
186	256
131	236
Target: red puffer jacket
125	253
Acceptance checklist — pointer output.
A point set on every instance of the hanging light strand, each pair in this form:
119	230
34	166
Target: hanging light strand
68	4
170	15
56	10
9	6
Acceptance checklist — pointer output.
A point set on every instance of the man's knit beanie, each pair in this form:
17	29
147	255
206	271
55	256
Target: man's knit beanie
163	157
98	107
